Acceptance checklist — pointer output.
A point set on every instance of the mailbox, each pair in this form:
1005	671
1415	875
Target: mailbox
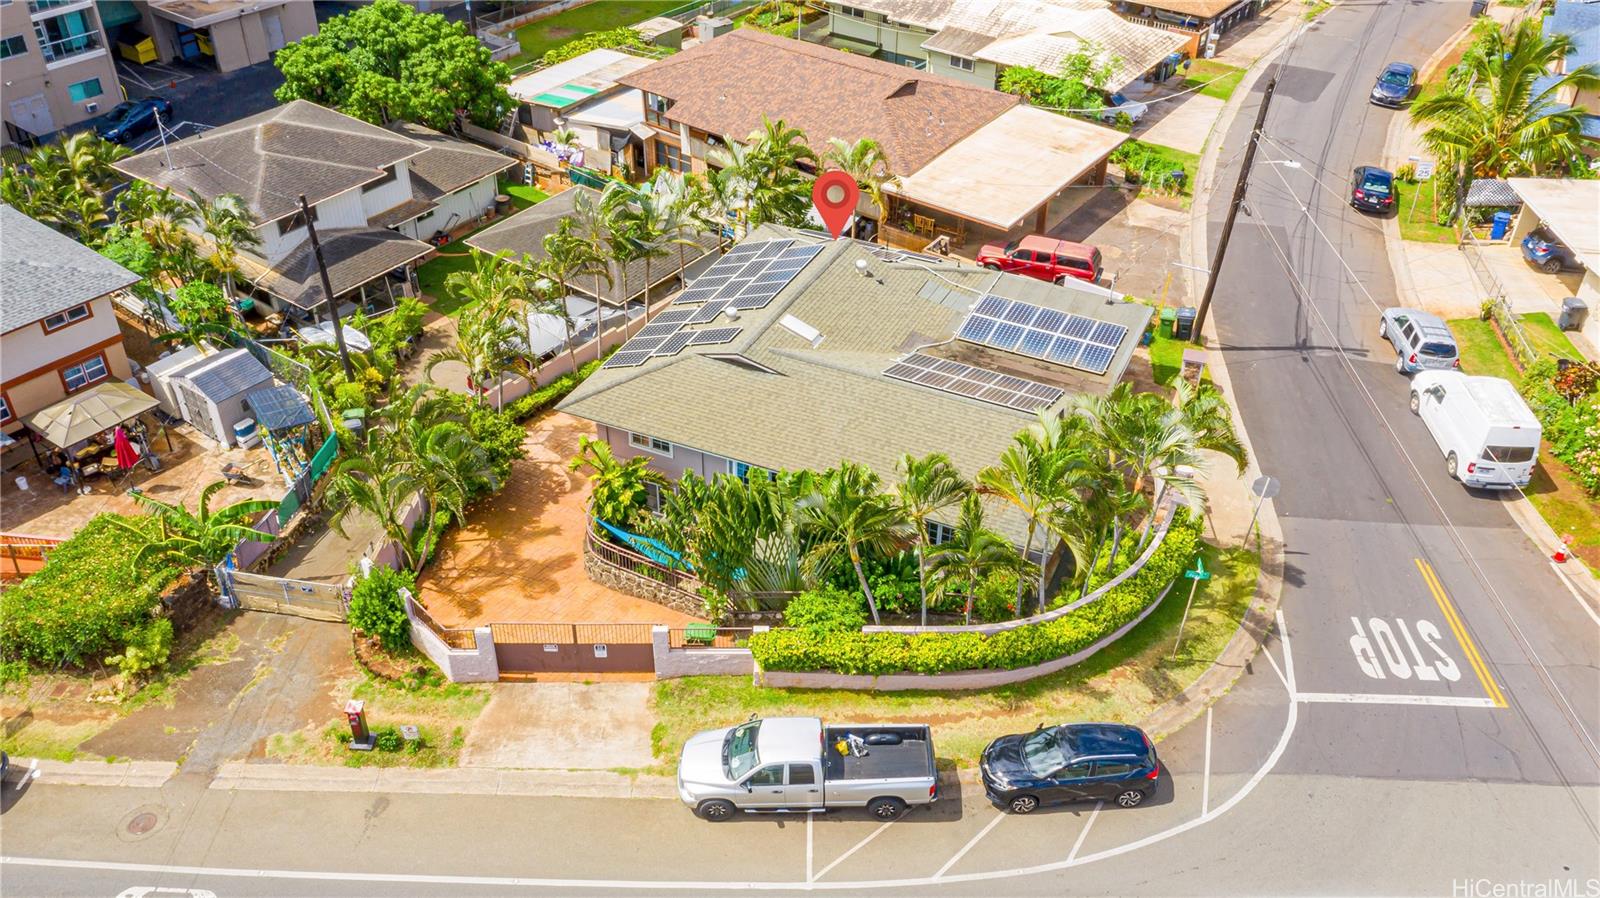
361	738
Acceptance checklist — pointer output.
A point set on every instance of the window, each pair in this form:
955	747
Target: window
86	372
388	175
940	533
852	12
84	90
1508	455
650	444
1112	768
295	222
802	774
771	775
961	63
5	409
655	109
1070	262
671	157
70	316
742	470
1075	771
14	45
652	497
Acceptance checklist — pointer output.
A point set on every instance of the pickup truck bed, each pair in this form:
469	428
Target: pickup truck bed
911	757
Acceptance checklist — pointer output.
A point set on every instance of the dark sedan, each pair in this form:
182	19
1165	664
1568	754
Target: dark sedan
1072	762
131	118
1394	86
1372	189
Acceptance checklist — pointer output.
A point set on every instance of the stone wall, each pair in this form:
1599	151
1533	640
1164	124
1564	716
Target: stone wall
640	586
698	662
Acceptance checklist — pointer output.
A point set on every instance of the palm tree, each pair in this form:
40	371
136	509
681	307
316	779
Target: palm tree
850	512
1206	413
448	467
970	555
567	256
679	198
382	490
485	343
589	225
617	488
928	485
230	226
865	161
1500	115
201	537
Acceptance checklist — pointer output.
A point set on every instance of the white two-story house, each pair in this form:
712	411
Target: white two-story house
376	195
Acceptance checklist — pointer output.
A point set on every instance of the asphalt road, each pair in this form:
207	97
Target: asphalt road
1455	756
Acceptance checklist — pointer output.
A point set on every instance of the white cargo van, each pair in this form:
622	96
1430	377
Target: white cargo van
1489	437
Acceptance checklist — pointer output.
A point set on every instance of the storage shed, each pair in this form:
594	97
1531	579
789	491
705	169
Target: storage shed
211	391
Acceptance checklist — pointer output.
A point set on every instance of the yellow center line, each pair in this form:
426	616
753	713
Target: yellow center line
1459	629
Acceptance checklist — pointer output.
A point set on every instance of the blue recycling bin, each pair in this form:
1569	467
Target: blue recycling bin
1502	224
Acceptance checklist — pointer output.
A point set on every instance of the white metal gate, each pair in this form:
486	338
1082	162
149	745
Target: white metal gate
280	595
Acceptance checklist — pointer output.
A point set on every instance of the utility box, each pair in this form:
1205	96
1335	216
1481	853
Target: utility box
1574	312
1183	324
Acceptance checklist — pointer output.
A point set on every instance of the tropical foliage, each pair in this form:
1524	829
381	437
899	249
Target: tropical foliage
199	538
1078	88
617	488
386	61
1568	407
378	609
758	181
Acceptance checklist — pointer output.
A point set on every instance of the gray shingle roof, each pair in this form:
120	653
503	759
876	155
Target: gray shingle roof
272	157
43	271
832	402
523	235
354	257
448	164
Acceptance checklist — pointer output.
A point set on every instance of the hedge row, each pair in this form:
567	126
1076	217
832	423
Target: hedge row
887	653
556	390
86	601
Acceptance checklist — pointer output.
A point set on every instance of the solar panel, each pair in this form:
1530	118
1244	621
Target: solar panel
978	383
708	312
697	294
750	275
627	359
714	335
1077	341
642	343
672	316
674	344
658	329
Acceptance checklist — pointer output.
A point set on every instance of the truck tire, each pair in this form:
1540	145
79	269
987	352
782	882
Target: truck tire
715	810
886	808
1450	466
1023	804
1416	403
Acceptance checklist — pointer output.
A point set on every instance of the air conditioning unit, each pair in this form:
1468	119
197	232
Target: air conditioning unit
91	108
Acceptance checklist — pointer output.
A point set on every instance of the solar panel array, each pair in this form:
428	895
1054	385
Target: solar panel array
751	274
1076	341
965	380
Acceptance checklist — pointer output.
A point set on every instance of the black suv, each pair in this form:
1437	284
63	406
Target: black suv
1372	189
1072	762
131	118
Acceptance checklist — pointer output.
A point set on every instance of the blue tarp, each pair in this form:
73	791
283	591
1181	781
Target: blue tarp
653	549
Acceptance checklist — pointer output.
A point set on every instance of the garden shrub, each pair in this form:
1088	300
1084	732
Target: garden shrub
149	646
827	609
596	40
551	393
387	738
1568	408
804	649
377	608
88	598
995	599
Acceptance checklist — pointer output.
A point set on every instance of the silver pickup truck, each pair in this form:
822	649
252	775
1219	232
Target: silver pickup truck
796	765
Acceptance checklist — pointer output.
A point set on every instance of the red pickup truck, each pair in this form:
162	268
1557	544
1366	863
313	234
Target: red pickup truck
1045	258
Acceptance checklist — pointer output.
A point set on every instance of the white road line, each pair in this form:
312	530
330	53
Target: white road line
1288	657
33	771
853	849
1275	669
1205	783
1359	698
809	818
705	885
1574	590
1084	833
968	847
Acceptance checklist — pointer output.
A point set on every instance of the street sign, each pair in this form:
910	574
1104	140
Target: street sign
1265	487
1199	572
1425	169
1197	575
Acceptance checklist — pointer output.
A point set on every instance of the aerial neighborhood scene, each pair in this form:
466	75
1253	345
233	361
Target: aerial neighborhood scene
910	447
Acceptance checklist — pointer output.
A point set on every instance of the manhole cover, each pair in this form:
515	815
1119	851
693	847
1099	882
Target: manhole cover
142	823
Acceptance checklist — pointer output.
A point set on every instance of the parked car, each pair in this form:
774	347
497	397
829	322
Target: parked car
1420	340
796	765
1121	105
1072	762
1547	253
1045	258
131	118
1394	86
1371	189
1486	432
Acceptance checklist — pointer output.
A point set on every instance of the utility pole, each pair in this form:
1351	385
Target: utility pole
327	290
1233	207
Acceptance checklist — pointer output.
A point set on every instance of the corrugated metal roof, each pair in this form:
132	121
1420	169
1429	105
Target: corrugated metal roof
228	374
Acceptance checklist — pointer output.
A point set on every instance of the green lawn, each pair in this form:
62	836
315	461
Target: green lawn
1417	211
1317	8
457	256
1222	78
1166	354
1126	681
603	15
522	195
1482	352
1190	162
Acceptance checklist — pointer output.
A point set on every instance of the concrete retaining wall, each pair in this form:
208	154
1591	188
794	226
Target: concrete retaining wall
475	665
640	586
671	662
965	679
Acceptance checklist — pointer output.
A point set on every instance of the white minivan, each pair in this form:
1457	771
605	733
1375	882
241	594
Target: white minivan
1489	437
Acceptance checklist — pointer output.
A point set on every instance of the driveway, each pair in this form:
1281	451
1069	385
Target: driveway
563	726
1137	241
519	557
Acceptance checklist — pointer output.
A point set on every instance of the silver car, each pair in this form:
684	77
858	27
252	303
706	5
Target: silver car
1421	341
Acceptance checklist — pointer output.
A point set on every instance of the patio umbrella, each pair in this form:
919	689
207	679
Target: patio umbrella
100	408
127	456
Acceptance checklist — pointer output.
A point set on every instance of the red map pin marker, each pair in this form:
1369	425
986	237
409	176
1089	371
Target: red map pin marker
835	194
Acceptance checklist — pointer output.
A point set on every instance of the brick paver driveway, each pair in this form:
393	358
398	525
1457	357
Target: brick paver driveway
519	558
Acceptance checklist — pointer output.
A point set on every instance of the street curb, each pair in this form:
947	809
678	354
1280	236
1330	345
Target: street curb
246	777
125	774
1260	618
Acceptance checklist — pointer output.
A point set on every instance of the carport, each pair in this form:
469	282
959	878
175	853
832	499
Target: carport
1569	209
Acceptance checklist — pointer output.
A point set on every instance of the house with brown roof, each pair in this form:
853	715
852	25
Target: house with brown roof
999	164
376	195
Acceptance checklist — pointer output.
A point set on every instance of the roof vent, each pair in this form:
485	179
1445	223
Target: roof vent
802	330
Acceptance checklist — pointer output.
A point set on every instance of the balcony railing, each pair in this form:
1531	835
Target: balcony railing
68	47
38	6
